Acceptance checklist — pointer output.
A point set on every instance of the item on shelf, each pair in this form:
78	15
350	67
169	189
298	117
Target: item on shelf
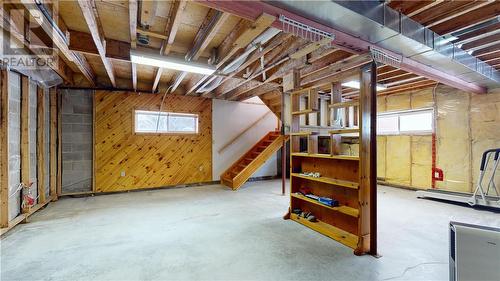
304	190
328	201
311	174
308	216
312	196
297	211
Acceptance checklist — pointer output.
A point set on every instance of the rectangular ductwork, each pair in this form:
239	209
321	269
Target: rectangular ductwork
388	29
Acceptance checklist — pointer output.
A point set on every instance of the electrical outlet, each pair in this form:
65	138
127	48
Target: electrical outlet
122	173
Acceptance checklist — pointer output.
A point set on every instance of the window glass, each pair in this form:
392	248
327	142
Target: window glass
416	122
406	122
182	123
165	122
387	124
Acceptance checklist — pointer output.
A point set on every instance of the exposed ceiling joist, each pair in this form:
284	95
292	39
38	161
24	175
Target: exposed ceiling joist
133	8
88	10
239	38
211	25
250	10
175	20
479	12
60	41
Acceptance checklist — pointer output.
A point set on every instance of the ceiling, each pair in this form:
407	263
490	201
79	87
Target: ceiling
100	35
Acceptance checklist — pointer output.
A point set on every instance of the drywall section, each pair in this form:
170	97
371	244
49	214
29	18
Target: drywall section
14	139
76	119
125	160
232	120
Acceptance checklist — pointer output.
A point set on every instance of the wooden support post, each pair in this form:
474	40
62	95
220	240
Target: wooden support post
53	144
368	157
40	144
25	145
4	149
283	148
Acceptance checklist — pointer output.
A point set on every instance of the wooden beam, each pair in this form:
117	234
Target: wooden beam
311	47
84	43
424	7
477	13
88	8
368	157
275	42
152	34
209	28
60	41
40	144
478	34
239	38
25	127
4	148
340	66
176	15
132	10
53	144
482	43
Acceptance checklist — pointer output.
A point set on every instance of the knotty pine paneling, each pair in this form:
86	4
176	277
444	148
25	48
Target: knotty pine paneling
150	160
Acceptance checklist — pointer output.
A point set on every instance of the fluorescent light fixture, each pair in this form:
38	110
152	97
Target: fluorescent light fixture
153	59
449	38
355	84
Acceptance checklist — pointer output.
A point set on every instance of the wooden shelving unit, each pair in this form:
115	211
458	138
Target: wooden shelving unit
350	180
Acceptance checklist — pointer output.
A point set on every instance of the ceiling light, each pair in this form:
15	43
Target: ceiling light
355	85
153	59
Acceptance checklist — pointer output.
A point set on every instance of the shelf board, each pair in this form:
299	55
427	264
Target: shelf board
327	156
348	184
344	131
303	133
342	236
344	104
305	111
342	209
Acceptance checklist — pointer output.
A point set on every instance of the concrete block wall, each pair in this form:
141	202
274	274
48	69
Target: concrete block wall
77	109
14	140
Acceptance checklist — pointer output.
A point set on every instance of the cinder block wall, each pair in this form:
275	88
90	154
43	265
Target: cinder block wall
77	128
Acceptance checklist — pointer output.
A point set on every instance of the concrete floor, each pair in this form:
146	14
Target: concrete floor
209	232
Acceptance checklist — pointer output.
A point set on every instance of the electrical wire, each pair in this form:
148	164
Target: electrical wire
161	107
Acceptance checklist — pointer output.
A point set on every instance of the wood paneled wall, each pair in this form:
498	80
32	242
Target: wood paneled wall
148	160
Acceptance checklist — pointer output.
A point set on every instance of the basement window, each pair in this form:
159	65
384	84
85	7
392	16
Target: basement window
409	122
165	122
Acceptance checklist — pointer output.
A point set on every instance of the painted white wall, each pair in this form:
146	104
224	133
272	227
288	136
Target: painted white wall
229	119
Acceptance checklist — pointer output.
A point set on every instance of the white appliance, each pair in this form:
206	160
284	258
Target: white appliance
474	252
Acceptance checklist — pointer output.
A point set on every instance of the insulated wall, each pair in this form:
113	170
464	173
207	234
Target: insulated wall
14	139
405	159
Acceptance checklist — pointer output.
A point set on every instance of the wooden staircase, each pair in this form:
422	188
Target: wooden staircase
252	160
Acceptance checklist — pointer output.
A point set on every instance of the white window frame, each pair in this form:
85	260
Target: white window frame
167	115
407	112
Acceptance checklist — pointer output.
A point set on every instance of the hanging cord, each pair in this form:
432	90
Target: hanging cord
161	107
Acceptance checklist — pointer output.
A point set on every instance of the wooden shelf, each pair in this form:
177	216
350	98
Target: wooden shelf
305	111
327	180
331	231
344	104
344	131
303	133
327	156
342	209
